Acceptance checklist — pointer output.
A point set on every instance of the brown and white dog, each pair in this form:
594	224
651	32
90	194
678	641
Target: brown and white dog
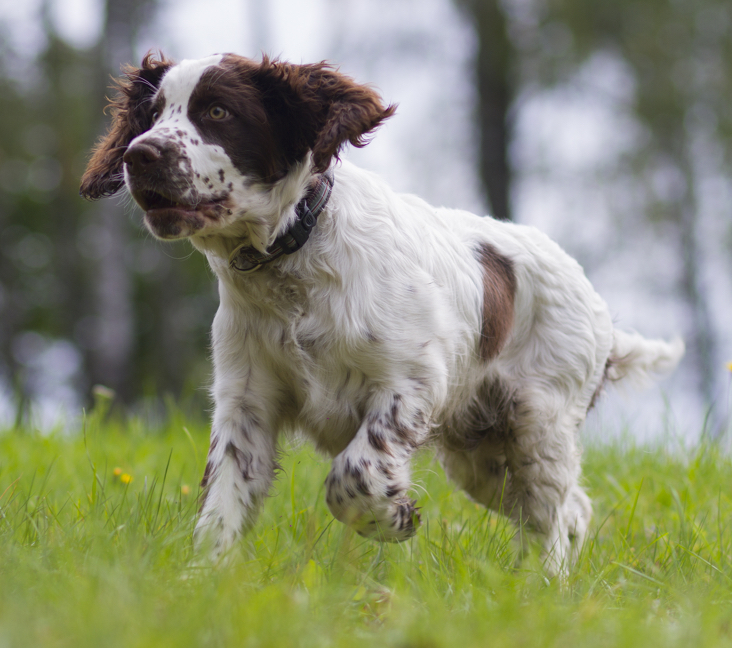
371	322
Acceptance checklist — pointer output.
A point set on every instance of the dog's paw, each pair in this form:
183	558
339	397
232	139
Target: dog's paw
371	497
214	541
396	523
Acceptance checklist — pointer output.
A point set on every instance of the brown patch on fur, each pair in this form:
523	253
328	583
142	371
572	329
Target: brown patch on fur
132	111
406	435
243	460
314	107
284	110
377	440
486	419
499	291
207	472
204	484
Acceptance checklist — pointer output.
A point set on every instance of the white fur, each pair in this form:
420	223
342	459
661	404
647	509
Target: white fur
372	328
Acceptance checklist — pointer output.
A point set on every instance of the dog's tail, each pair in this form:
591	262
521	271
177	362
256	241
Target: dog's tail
639	360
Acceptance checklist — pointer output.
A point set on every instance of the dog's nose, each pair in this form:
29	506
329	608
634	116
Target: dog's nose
139	157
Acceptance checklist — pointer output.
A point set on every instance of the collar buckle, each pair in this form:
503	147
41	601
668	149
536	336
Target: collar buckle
242	262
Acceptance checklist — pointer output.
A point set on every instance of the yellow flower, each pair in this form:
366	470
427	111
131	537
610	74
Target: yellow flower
185	489
117	472
729	366
125	478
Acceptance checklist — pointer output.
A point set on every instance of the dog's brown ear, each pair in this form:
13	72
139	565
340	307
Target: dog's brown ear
354	111
131	116
320	109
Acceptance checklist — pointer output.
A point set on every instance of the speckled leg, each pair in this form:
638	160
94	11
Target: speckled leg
239	472
368	482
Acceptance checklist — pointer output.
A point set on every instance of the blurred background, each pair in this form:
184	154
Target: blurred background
606	124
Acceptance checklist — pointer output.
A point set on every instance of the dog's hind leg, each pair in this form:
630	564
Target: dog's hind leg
544	463
368	482
481	471
528	471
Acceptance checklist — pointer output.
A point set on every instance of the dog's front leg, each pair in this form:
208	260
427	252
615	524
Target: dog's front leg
239	471
367	485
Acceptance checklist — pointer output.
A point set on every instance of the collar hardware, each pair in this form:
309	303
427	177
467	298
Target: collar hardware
247	259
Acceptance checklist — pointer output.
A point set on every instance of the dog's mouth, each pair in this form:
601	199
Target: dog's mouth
169	218
152	201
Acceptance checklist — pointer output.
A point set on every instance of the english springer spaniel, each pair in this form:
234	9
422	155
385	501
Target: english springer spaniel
369	321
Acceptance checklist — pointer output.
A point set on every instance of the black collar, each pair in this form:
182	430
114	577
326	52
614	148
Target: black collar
246	259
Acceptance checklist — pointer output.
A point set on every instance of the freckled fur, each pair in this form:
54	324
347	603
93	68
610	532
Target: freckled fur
398	324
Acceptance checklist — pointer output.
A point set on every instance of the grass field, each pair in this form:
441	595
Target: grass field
95	550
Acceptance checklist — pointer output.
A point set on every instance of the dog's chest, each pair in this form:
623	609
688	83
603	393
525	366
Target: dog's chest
327	380
325	367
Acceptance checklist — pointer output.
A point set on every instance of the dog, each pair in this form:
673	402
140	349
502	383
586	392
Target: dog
370	322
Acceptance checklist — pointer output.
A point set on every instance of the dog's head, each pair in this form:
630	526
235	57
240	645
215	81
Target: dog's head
203	145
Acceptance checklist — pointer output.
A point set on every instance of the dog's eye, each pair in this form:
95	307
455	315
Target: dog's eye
217	112
155	116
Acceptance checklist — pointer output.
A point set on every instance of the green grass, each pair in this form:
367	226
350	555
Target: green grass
86	560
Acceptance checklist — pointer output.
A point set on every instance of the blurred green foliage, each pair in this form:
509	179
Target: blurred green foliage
55	247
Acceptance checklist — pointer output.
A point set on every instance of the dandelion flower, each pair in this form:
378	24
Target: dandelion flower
185	489
125	478
117	472
729	366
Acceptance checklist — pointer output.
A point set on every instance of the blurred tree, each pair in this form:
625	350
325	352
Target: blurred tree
42	284
83	275
495	80
79	277
112	329
680	53
145	306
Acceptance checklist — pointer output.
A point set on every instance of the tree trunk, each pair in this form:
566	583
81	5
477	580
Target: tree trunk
493	70
114	324
702	342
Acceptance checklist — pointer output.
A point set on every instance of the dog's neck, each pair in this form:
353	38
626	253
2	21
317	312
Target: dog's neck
245	258
267	216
